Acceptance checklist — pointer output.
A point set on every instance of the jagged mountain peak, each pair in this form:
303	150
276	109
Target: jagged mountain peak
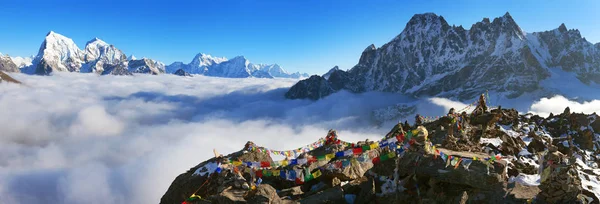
426	59
203	60
97	42
326	75
370	48
426	22
562	28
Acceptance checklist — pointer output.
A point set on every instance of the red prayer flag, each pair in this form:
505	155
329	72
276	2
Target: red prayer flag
357	150
298	181
259	174
265	164
376	160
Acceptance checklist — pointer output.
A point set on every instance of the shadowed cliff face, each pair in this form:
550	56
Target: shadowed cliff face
431	58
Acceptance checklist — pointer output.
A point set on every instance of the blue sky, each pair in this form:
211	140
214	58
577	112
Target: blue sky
308	36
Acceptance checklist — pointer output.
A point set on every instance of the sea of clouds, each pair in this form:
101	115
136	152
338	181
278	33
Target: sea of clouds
82	138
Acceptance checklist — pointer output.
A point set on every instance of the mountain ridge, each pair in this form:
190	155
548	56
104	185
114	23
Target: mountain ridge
431	58
59	53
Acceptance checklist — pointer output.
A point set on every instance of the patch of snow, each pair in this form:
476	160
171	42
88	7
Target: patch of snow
494	141
524	152
526	179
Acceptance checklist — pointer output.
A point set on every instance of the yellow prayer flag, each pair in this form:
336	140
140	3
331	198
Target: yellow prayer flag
284	162
354	161
329	156
374	145
275	172
392	155
415	132
316	174
237	163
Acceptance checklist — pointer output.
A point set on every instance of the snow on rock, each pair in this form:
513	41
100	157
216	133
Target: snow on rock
526	179
57	53
494	141
22	61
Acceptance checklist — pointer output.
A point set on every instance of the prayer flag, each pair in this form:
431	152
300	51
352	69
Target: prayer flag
339	154
265	164
357	150
374	146
284	162
376	160
348	152
316	174
293	162
275	172
321	158
302	161
365	148
392	155
329	156
259	173
383	157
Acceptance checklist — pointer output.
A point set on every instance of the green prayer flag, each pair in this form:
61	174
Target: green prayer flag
321	158
409	135
384	157
366	147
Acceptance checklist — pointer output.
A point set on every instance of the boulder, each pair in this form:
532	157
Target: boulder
265	193
331	195
229	196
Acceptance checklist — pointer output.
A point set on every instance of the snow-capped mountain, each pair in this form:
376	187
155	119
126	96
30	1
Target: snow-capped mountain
431	58
60	54
238	67
102	58
22	61
57	53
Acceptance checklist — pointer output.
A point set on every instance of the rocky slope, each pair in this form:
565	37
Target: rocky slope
4	78
7	65
494	157
432	58
238	67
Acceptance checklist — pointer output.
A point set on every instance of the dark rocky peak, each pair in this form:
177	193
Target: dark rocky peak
314	88
598	45
507	24
426	22
425	18
181	72
368	55
562	28
486	20
339	79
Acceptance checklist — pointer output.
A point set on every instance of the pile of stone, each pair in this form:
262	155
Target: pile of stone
530	145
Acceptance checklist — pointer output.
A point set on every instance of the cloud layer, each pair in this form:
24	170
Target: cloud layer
73	138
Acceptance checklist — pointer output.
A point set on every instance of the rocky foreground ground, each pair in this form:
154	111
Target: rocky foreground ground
498	156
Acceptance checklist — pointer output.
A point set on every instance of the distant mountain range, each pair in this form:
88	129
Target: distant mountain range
60	54
432	58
